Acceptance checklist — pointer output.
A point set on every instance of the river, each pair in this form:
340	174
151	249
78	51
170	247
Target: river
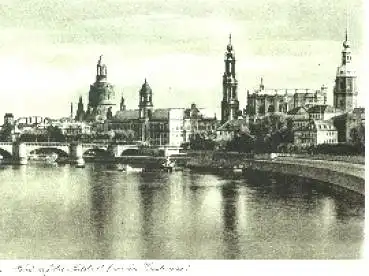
99	213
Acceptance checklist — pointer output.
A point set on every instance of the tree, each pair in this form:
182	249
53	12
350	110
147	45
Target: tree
6	133
55	134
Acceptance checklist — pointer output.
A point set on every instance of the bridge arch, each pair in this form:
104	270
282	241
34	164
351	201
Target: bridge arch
95	152
49	150
130	151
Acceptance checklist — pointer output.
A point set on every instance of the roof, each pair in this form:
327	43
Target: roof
299	92
321	108
160	114
125	115
357	113
297	110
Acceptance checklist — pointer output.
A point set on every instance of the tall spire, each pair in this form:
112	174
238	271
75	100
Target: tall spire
261	84
229	46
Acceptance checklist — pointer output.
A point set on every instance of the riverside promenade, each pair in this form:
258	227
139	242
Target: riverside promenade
346	175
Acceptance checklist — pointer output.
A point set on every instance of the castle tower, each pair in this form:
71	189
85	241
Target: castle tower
345	89
101	95
229	104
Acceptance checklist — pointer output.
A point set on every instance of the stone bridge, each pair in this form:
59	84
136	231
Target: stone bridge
20	151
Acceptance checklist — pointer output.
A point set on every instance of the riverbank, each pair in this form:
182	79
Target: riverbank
343	174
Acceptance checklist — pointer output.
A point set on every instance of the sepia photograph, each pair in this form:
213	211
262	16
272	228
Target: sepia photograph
182	130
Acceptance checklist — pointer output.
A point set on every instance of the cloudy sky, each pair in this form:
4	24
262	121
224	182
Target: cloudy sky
49	48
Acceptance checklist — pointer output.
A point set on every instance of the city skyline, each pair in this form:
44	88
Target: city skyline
178	47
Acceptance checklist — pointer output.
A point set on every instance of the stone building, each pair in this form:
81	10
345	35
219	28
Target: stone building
198	121
147	125
299	117
315	133
345	89
262	101
323	112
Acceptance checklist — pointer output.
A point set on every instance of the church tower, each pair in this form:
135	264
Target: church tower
122	106
80	115
145	105
230	104
345	90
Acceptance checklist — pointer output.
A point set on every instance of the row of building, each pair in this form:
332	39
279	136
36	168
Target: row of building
314	121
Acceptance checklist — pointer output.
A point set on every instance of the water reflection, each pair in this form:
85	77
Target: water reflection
102	213
230	221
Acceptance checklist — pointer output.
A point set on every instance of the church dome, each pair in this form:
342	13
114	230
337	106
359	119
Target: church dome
146	89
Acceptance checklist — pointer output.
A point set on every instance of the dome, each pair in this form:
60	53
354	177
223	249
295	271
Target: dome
146	88
346	44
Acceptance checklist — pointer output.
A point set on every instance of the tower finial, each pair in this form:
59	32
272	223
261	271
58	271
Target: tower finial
230	38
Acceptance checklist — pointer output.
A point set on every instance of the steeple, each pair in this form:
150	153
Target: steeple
345	90
261	84
80	110
122	105
71	111
230	102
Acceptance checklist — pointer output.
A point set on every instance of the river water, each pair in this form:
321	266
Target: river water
99	213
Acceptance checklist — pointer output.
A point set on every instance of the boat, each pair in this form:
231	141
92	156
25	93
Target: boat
168	165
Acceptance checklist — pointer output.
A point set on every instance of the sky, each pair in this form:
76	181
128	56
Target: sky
49	49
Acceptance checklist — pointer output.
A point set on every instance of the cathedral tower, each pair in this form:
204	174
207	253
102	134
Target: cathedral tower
230	104
345	89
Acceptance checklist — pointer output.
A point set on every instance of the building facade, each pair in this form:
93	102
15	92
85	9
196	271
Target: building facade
345	89
262	101
345	123
197	121
147	125
230	103
315	133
